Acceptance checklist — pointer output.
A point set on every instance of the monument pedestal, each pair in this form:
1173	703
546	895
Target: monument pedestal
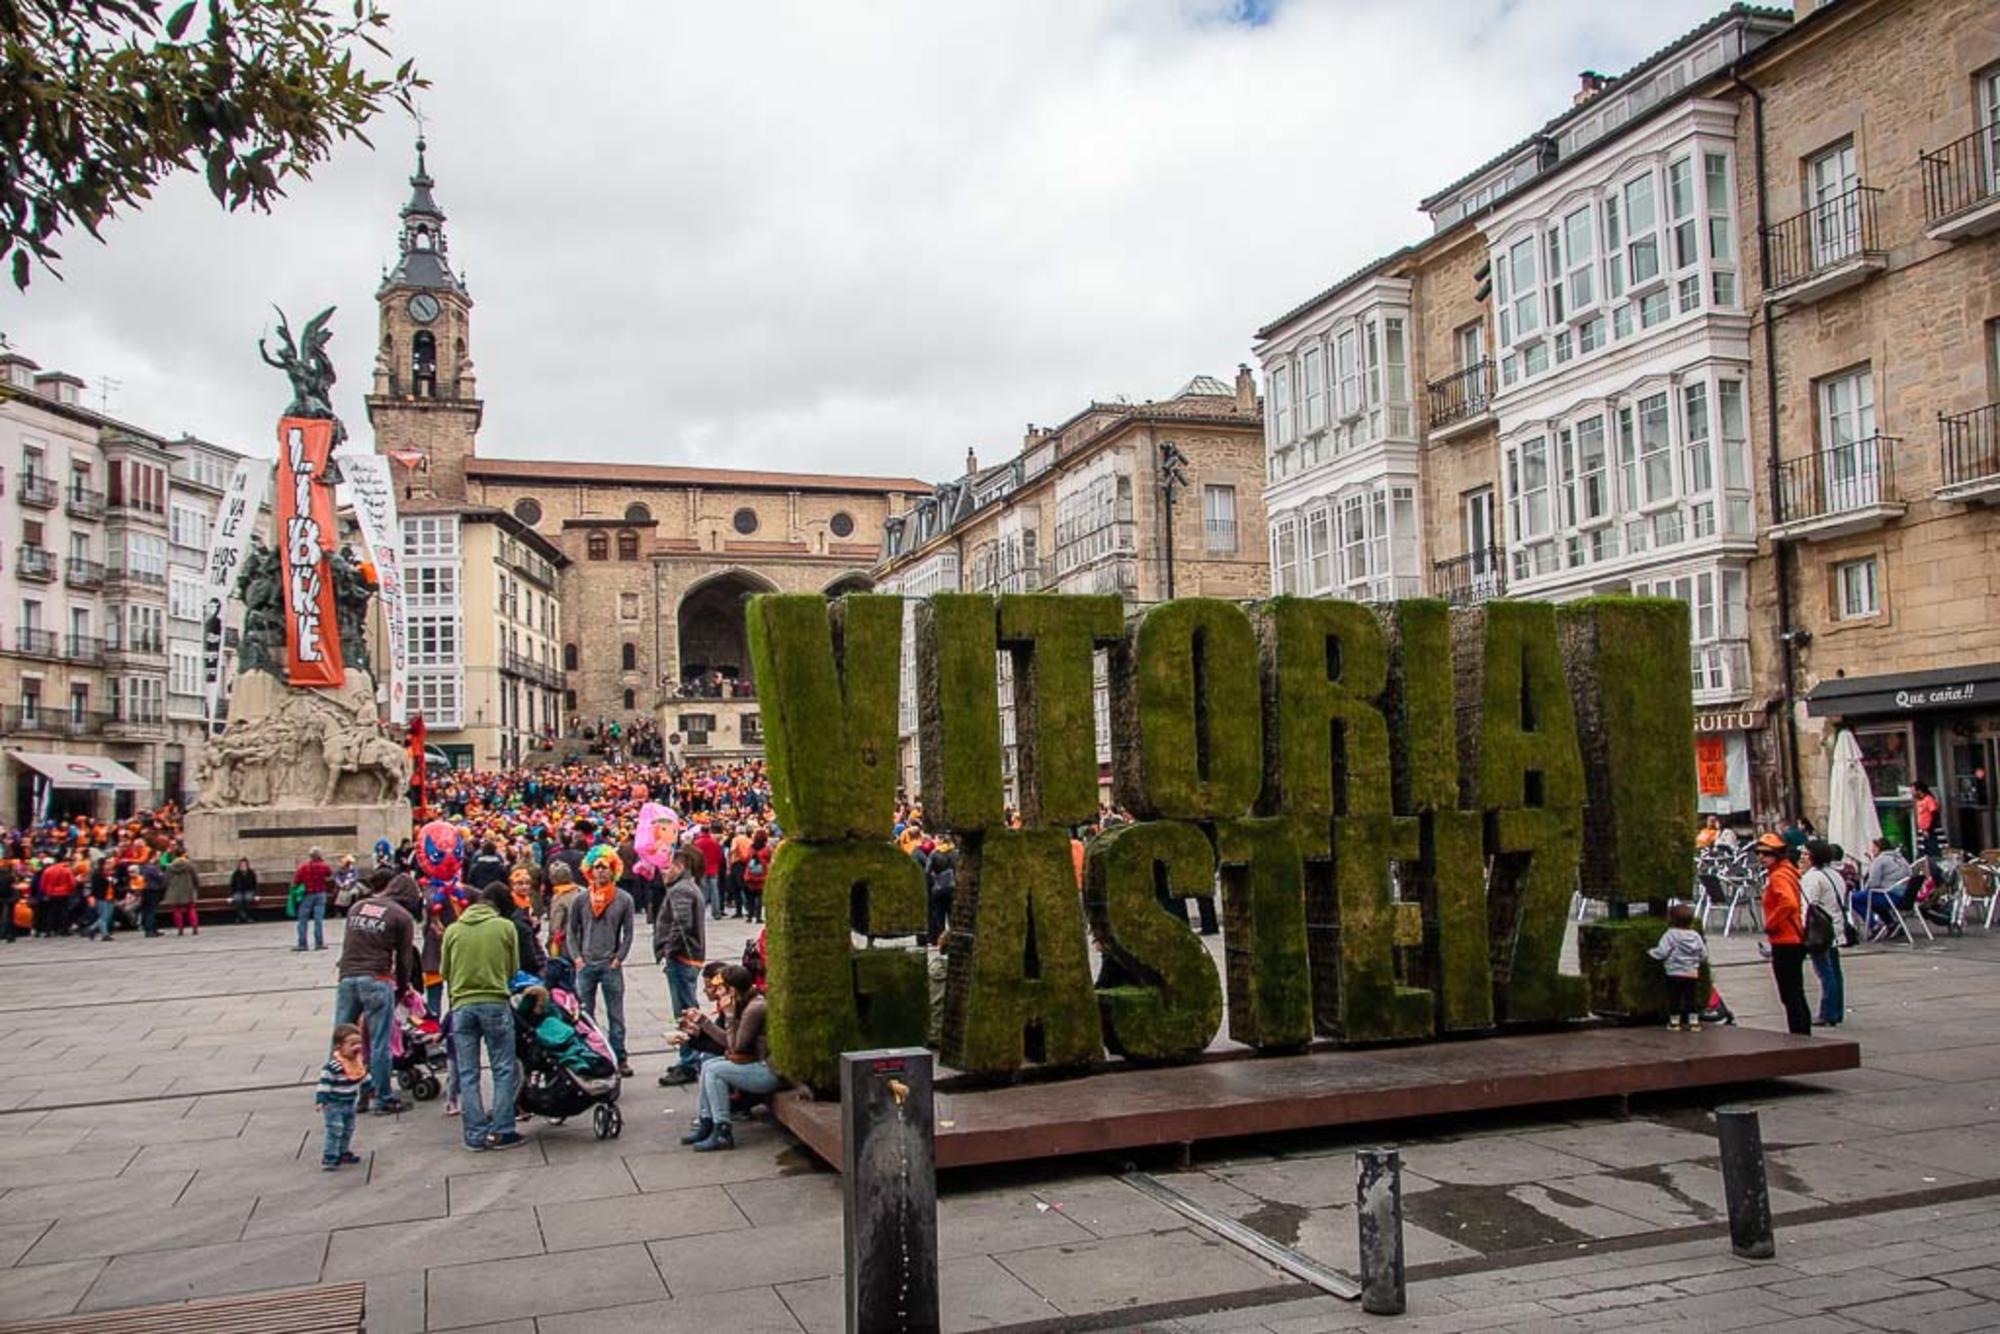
275	837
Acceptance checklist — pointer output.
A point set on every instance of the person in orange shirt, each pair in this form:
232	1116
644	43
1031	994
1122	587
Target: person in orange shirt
1785	928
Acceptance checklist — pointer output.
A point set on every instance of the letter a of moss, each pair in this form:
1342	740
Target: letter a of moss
1137	877
1052	638
1373	1008
1185	706
958	712
1326	742
1627	662
1018	987
1264	934
825	997
828	682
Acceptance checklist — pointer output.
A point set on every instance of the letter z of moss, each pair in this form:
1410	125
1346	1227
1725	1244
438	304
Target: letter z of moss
824	996
828	683
1052	638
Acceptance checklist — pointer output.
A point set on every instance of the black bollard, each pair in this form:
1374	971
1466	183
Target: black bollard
889	1190
1743	1183
1378	1200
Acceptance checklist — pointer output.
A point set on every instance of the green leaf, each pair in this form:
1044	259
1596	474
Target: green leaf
177	23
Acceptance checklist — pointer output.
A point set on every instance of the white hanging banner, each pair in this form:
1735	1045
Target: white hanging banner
235	524
372	491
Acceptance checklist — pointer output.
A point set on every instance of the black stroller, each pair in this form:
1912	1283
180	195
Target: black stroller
566	1066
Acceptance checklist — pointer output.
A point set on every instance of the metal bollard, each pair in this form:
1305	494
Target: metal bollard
1743	1183
889	1191
1378	1200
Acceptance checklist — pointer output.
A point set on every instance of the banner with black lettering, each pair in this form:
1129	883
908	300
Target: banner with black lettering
229	540
372	491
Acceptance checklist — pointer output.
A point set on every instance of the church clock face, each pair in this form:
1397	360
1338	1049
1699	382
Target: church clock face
423	308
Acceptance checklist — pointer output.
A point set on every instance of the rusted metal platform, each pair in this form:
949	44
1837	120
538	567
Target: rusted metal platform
334	1308
1128	1108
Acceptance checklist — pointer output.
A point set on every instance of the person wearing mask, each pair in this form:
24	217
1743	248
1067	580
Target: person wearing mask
242	889
680	944
1785	930
599	938
1824	895
377	964
480	954
315	878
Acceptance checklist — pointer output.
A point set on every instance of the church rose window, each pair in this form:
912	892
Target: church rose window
746	521
842	524
528	510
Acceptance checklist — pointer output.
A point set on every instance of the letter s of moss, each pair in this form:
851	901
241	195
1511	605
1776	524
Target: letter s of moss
825	997
1052	638
958	713
1016	886
829	684
1187	712
1168	1002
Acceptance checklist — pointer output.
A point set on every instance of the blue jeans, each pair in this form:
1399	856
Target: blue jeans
1832	987
493	1022
711	889
313	906
721	1074
106	908
339	1130
376	999
682	979
588	979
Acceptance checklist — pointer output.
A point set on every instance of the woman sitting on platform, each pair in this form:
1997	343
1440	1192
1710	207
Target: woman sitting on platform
745	1065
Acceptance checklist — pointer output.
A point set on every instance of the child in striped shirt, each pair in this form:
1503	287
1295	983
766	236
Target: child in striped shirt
340	1081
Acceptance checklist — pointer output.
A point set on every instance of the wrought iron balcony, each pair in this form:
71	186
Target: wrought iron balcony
83	503
1969	450
37	643
83	648
125	574
1844	489
36	563
1962	186
31	718
81	573
1219	535
1468	580
38	492
1461	398
1826	249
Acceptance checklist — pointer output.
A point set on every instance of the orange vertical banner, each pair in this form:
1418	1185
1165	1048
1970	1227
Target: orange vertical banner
1711	762
305	548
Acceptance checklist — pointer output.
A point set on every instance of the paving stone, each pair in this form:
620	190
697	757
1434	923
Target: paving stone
1620	1144
38	1290
784	1253
678	1168
64	1168
471	1294
1127	1271
337	1200
146	1190
1001	1220
1493	1162
127	1231
387	1248
751	1311
395	1303
530	1187
652	1216
17	1238
796	1199
155	1277
974	1292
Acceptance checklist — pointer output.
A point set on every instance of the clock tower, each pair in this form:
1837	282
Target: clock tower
424	406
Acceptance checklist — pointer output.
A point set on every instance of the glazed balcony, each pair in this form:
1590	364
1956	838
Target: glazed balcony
1969	455
1962	186
1468	580
1849	488
1721	671
1829	248
1461	401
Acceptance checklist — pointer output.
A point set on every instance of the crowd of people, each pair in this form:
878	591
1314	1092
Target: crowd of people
86	876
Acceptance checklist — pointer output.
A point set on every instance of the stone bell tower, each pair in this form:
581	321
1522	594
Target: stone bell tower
424	405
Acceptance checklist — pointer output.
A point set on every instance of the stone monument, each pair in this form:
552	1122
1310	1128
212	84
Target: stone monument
304	760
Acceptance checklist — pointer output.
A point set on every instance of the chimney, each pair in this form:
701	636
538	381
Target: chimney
971	461
1029	435
1246	389
1589	84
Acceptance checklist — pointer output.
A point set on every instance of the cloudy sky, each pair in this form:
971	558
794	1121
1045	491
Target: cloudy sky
855	236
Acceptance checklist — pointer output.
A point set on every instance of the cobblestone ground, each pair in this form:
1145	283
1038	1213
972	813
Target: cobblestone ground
158	1143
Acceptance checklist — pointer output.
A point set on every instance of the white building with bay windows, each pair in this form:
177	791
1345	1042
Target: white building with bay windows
1341	443
1621	405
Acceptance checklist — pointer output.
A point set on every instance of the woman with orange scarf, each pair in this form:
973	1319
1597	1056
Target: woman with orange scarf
1785	928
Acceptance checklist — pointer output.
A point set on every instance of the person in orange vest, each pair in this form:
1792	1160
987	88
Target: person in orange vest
1785	929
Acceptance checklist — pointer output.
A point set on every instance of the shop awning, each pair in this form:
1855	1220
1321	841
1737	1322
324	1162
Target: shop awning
1908	692
96	772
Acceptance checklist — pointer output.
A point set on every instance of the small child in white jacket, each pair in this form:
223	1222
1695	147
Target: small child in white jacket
1681	951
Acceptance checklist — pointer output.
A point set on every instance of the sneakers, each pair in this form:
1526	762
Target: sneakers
1694	1025
329	1164
390	1106
506	1139
350	1158
1674	1023
624	1068
676	1074
477	1145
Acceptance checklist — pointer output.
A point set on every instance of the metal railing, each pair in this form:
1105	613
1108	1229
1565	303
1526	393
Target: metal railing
1962	175
84	648
50	719
1969	445
82	573
1219	535
37	563
1468	580
84	503
1462	395
126	574
36	642
39	492
1825	236
1840	480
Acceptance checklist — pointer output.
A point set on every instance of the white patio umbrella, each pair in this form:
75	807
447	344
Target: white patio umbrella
1850	813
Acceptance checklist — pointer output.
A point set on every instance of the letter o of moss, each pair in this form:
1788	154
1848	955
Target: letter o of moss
1187	718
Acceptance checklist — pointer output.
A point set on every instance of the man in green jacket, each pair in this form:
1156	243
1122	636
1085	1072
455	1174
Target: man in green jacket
480	955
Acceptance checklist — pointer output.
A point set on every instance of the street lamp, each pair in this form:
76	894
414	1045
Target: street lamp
1173	480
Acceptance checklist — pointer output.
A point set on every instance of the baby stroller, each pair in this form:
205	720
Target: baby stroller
418	1056
1717	1010
566	1066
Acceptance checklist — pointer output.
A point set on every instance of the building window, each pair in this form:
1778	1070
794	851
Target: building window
636	512
745	521
628	657
1281	405
528	510
1856	586
841	524
569	701
569	657
628	544
597	546
1314	371
1218	504
1470	342
631	699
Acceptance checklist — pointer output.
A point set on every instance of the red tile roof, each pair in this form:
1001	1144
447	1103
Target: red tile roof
650	474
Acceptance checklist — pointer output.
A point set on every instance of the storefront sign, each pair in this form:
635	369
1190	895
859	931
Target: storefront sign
305	548
1729	720
1938	696
1944	688
373	492
235	523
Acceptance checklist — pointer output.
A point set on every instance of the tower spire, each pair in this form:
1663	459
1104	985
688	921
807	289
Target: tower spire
421	261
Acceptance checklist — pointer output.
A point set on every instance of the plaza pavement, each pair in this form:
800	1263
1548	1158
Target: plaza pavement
158	1143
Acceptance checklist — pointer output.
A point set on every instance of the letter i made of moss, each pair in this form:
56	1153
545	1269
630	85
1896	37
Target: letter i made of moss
1423	746
824	996
1052	638
958	713
1627	664
1373	1006
1326	743
1450	882
1517	744
829	685
1164	1001
1186	712
1264	934
1531	885
1018	987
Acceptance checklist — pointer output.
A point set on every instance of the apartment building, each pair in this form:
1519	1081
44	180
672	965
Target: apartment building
198	475
1150	501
